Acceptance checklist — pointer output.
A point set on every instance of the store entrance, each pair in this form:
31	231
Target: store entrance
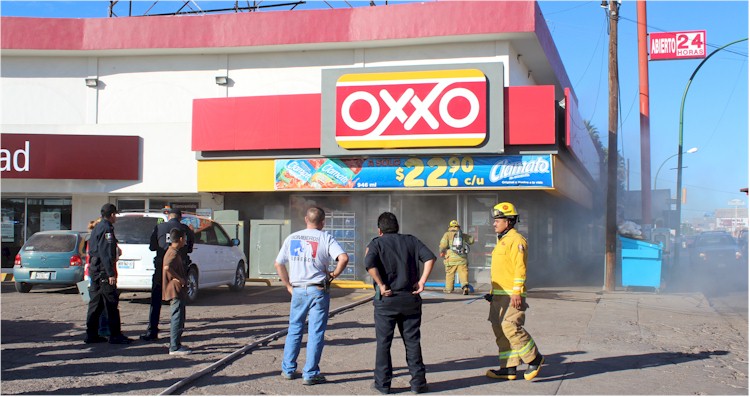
427	217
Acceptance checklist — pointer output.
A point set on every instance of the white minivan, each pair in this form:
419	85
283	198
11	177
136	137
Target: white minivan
216	259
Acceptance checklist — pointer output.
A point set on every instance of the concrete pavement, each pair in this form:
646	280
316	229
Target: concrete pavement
595	343
634	343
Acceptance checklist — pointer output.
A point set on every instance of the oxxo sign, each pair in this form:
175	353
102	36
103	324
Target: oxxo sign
435	108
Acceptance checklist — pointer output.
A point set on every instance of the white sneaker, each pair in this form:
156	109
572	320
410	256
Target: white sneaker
180	352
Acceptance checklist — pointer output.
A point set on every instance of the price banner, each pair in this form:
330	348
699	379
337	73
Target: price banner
441	172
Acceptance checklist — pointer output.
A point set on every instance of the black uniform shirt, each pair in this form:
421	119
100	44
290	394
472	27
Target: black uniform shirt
103	245
160	241
397	257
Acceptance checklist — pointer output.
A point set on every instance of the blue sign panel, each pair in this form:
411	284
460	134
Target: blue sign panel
519	171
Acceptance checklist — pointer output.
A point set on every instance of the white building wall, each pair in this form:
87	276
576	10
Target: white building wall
152	96
155	89
43	90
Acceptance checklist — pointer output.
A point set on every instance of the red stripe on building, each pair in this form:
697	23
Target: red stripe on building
392	22
257	123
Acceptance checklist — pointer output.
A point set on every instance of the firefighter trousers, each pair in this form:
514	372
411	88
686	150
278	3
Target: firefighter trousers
450	276
514	344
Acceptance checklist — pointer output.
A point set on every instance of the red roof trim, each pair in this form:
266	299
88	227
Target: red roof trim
392	22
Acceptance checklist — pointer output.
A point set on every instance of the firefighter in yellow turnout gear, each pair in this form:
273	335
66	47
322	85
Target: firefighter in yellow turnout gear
454	250
508	299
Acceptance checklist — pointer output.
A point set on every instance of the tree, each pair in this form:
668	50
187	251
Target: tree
621	171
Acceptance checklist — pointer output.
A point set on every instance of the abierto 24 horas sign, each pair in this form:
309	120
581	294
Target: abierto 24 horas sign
677	45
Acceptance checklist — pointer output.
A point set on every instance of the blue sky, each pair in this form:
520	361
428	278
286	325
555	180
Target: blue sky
716	107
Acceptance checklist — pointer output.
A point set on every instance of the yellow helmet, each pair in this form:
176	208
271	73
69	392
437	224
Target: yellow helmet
504	210
454	223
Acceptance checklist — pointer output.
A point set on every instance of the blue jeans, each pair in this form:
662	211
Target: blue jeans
177	324
315	302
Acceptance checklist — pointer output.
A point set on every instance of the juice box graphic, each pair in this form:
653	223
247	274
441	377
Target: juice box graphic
301	170
332	174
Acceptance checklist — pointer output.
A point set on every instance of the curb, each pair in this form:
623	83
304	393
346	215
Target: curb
355	284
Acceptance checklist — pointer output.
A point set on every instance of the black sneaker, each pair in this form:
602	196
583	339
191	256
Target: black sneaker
120	340
293	375
315	380
149	337
533	370
502	373
380	390
420	390
95	339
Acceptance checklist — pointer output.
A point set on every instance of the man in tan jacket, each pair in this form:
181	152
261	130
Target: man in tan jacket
174	283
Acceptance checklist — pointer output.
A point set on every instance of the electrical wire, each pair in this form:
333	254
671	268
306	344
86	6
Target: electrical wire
568	9
726	106
593	54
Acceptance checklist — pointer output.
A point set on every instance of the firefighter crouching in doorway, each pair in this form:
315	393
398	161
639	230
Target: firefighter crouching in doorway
508	298
454	248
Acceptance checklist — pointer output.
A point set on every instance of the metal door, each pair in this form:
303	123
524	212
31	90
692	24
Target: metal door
266	237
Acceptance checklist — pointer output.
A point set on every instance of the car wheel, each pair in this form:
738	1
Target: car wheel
239	278
23	287
192	284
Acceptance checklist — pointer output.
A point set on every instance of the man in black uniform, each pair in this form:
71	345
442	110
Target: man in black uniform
103	271
393	262
160	242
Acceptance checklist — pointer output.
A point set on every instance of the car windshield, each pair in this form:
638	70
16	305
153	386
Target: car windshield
135	229
718	239
51	243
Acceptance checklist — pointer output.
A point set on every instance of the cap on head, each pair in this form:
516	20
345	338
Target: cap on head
504	210
175	211
454	223
109	209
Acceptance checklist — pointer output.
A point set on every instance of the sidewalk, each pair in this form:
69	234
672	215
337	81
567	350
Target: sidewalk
594	343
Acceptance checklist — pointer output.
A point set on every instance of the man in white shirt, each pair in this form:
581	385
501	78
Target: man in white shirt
308	253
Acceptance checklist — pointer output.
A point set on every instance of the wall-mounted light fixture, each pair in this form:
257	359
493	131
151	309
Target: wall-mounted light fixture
222	80
92	82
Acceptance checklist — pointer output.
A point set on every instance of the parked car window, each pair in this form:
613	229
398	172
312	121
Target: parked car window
718	239
51	243
206	236
135	229
221	236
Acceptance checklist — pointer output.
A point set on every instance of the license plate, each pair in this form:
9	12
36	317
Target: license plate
125	264
42	275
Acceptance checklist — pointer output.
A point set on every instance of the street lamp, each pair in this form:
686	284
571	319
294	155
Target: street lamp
679	151
691	150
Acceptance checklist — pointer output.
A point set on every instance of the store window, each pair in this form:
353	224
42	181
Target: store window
151	204
22	217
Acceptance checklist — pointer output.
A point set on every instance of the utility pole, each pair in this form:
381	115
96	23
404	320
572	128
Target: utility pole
612	163
645	123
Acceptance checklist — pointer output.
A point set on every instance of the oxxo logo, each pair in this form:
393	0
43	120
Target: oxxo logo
436	108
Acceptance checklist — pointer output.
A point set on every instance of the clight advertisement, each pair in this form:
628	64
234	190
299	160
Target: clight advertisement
438	172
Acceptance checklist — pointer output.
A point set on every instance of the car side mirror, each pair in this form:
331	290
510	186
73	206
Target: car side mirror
235	242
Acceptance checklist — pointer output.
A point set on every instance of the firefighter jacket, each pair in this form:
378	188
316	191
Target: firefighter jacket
453	258
508	269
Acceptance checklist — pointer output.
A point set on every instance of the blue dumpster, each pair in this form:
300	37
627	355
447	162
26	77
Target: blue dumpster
641	263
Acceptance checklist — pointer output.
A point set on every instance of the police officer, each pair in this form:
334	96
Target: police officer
160	243
453	247
103	271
